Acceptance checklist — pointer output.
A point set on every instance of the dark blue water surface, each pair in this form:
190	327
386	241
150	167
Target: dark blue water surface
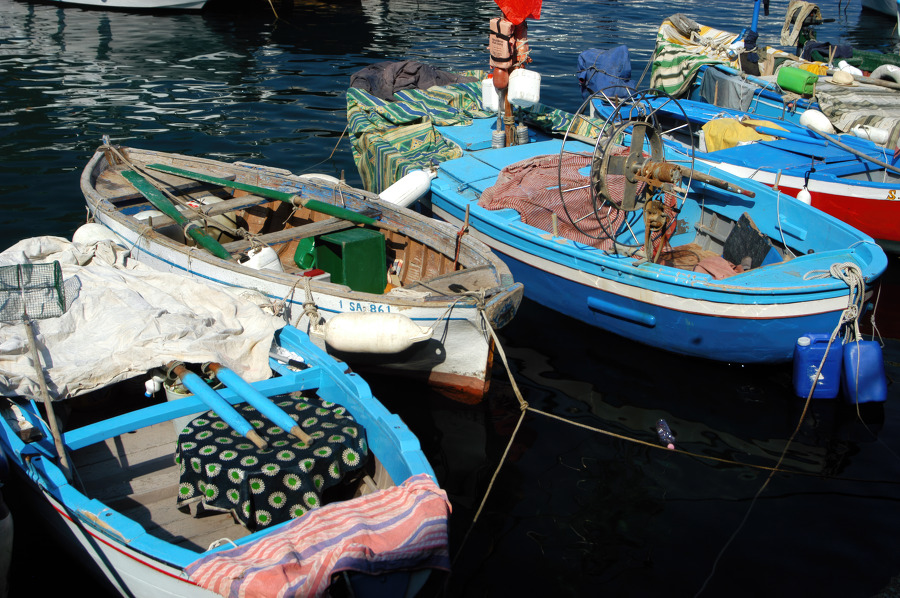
573	512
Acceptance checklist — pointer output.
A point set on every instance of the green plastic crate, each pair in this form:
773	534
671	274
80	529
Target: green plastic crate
354	257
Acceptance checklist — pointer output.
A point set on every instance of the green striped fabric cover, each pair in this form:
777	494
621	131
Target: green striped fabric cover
389	139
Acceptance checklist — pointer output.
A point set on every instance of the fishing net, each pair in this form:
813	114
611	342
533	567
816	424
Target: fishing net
31	290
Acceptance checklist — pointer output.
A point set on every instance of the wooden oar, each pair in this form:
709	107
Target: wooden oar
164	205
291	198
258	400
214	401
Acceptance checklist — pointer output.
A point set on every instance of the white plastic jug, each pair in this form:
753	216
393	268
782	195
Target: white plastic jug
524	88
489	98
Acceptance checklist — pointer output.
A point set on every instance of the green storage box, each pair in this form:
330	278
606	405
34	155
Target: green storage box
797	80
354	257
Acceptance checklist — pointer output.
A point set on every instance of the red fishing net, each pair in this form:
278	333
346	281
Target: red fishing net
531	187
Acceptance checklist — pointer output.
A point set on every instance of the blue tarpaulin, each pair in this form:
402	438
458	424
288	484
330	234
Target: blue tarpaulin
607	70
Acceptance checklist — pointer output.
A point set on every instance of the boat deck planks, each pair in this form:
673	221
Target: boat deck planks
135	474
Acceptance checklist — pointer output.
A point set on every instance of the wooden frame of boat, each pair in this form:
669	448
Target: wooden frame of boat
446	280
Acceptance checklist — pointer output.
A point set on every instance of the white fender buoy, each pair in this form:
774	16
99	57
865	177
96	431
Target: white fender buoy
316	177
93	232
371	332
804	196
875	134
263	258
816	121
409	189
172	231
887	72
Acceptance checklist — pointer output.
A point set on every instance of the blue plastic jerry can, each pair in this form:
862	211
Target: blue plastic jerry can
864	380
808	354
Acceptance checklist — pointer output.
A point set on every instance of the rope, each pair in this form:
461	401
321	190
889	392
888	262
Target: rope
523	406
848	272
851	274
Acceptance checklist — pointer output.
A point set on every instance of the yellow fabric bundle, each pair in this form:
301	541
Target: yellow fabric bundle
723	133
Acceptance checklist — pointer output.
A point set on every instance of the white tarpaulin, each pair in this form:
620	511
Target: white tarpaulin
124	319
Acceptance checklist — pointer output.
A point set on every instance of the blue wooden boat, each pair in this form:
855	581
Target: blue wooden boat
848	177
154	491
647	289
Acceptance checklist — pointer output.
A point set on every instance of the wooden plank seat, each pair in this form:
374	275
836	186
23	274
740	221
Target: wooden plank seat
216	209
303	231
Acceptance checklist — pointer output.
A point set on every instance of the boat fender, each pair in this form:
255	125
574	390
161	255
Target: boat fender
849	68
94	232
804	194
316	177
875	134
172	231
816	121
887	72
263	258
409	189
368	332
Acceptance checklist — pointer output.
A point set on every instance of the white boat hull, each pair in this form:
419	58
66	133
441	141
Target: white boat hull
145	5
888	7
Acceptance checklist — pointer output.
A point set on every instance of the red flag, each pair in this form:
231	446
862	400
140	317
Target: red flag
519	10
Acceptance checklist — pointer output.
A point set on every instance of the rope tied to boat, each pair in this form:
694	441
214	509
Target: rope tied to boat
852	275
309	306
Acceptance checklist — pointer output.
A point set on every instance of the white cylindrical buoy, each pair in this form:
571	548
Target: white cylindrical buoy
371	332
804	196
263	258
316	177
875	134
849	68
172	231
409	189
94	232
816	121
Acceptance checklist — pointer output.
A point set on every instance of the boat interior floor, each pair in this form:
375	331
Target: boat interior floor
136	475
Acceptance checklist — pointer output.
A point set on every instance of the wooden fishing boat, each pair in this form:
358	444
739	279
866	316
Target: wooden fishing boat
588	242
888	7
137	5
846	176
377	285
709	65
164	493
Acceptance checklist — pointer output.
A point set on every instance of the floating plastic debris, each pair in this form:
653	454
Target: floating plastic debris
666	438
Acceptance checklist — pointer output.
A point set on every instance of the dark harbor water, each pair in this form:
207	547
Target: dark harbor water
573	512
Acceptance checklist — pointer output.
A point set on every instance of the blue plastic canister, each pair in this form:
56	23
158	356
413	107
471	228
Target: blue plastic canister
864	380
808	354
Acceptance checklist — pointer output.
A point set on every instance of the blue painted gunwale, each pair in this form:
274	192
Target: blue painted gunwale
388	437
748	318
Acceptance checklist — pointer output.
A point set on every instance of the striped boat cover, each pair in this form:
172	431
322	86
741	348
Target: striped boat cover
678	56
401	528
847	107
389	139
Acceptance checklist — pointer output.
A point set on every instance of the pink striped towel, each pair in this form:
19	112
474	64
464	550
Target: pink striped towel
400	528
